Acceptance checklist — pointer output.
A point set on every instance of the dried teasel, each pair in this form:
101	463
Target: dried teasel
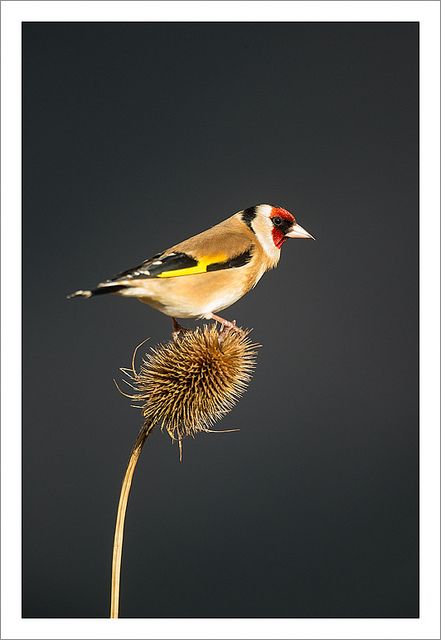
185	386
189	383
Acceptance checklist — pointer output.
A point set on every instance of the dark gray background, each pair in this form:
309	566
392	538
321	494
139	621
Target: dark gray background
137	136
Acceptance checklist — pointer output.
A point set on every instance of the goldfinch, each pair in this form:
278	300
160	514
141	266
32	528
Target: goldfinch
209	272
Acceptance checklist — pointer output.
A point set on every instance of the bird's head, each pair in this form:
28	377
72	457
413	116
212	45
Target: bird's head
272	226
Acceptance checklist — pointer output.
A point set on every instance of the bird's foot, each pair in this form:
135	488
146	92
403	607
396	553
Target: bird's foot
178	329
226	325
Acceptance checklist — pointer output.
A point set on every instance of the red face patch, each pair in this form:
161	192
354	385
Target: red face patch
278	237
279	230
282	213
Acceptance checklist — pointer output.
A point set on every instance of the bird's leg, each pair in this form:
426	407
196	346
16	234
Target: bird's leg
226	324
177	329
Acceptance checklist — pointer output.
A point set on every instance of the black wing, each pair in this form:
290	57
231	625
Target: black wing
180	264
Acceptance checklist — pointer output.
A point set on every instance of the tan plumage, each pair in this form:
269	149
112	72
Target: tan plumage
207	273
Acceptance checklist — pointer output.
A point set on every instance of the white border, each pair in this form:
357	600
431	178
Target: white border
427	13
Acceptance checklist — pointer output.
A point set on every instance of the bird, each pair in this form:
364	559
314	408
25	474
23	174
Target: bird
207	273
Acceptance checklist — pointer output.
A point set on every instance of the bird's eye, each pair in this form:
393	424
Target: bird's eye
277	221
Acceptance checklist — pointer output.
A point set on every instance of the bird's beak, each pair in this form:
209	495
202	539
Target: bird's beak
298	232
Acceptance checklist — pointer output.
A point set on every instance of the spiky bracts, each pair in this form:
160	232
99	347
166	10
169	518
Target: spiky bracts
188	383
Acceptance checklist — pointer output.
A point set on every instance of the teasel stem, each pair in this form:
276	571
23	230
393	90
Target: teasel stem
121	516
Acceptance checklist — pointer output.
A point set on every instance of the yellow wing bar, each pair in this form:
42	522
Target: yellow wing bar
202	266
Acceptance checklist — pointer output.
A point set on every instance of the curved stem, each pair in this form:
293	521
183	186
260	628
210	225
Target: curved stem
120	518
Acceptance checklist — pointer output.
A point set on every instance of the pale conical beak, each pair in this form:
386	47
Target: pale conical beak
298	232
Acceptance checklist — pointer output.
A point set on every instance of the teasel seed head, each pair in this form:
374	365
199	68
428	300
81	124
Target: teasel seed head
189	383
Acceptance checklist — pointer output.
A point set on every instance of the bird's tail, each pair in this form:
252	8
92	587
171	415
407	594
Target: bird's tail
108	288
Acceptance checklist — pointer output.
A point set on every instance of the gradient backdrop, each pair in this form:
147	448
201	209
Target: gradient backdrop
137	136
